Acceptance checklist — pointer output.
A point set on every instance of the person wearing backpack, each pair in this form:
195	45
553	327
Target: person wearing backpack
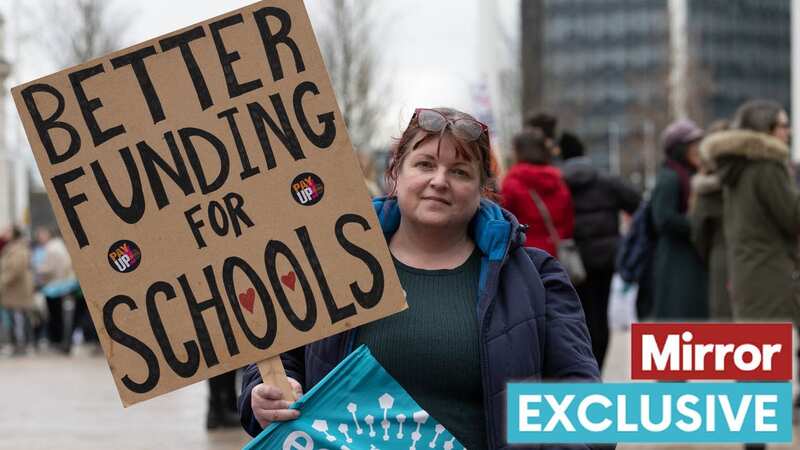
679	277
598	199
634	262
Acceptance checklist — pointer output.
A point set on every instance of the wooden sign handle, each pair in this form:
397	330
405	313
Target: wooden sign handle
272	373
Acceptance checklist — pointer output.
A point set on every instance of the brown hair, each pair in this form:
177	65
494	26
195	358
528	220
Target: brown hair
545	122
414	135
530	146
757	115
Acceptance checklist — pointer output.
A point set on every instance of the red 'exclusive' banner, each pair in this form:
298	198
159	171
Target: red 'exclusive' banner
711	351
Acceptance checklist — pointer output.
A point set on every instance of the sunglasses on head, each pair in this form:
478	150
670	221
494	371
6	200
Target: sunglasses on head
463	128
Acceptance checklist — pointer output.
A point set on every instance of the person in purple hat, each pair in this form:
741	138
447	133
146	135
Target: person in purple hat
680	279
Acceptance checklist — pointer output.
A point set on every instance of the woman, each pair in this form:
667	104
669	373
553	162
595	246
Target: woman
532	175
679	274
443	236
705	217
761	215
16	289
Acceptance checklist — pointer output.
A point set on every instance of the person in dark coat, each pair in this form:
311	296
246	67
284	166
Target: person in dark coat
598	199
520	320
761	214
679	278
534	172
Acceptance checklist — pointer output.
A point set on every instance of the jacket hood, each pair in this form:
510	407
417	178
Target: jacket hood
706	183
579	172
494	230
745	143
543	179
731	151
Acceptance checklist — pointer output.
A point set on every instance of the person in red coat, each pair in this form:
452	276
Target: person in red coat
534	172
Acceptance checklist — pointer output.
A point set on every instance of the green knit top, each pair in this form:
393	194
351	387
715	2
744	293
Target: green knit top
432	348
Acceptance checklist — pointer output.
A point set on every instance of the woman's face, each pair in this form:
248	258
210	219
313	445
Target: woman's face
782	128
438	190
693	154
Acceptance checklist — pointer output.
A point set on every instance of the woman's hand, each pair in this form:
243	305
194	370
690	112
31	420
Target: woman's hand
269	405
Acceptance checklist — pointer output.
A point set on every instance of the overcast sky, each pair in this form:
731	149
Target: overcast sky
430	55
429	48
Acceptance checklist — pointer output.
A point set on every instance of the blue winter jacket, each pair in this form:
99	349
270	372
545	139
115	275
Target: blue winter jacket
531	322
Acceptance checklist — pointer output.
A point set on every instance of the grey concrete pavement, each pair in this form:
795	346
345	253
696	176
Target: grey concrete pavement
70	403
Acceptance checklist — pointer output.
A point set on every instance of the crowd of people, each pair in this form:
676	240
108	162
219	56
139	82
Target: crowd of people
554	185
719	237
715	239
722	219
41	303
43	311
720	227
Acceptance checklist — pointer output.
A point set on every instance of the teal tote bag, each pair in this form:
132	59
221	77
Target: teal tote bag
357	406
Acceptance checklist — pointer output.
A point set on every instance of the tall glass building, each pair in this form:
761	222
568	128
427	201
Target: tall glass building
607	67
744	48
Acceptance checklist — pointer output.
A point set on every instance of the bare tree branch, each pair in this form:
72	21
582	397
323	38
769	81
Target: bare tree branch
348	47
79	30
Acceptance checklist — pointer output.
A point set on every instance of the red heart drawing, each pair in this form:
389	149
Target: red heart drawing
288	280
247	298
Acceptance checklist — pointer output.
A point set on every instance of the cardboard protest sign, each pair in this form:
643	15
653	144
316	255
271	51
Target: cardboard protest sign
209	197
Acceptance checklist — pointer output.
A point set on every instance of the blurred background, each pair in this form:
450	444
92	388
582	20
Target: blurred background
616	71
